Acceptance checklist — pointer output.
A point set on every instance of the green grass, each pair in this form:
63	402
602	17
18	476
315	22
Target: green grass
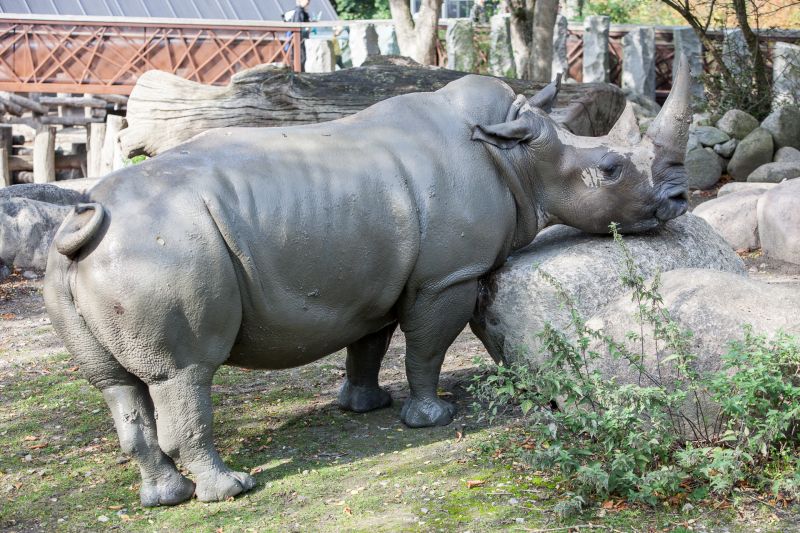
318	468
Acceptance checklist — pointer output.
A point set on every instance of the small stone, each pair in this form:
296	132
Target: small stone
513	501
29	274
27	459
775	172
737	123
122	460
687	508
784	125
710	136
102	518
787	154
519	520
424	510
727	148
755	150
703	168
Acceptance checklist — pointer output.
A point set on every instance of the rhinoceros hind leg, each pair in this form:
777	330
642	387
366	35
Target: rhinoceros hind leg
360	392
132	410
431	324
185	422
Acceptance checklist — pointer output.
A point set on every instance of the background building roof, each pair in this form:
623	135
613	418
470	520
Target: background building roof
182	9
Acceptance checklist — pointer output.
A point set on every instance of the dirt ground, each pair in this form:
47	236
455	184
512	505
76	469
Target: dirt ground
318	468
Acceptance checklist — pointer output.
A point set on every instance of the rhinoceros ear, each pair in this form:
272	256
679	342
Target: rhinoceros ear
508	134
546	98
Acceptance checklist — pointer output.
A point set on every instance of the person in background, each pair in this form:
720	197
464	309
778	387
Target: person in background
299	14
478	12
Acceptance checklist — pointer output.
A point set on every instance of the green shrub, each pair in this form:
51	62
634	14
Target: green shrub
606	439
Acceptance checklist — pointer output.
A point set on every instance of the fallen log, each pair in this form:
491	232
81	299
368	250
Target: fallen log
165	110
62	162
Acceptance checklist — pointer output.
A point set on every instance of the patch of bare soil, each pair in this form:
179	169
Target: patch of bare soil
25	329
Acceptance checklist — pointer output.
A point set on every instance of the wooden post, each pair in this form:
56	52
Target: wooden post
94	145
44	155
6	145
110	150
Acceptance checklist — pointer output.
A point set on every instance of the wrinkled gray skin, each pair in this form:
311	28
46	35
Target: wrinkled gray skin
273	247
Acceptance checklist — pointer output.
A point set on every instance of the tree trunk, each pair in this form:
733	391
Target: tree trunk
417	40
544	21
521	34
165	110
762	97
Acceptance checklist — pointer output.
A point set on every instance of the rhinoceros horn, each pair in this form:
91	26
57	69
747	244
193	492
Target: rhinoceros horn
670	129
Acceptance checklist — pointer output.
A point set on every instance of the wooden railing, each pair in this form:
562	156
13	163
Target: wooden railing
84	55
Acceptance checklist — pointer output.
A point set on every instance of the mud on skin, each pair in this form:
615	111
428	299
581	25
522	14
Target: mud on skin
273	247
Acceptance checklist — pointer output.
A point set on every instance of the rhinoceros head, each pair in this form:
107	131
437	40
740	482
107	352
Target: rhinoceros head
636	181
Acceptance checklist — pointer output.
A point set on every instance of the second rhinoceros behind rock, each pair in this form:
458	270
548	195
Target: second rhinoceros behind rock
273	247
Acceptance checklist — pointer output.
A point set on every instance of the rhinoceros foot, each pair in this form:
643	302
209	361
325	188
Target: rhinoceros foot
360	399
169	490
424	412
216	486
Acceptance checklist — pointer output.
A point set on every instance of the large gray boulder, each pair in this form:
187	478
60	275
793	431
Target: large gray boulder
784	125
755	150
703	168
775	172
516	301
737	123
320	56
713	305
460	39
785	74
786	154
738	186
639	61
363	42
387	40
779	222
734	217
27	227
44	192
595	49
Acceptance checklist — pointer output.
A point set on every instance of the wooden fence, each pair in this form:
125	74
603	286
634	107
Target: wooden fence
84	55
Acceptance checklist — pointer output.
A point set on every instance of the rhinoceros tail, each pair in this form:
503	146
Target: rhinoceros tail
78	228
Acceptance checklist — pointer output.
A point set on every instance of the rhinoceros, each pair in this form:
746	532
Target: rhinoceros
270	248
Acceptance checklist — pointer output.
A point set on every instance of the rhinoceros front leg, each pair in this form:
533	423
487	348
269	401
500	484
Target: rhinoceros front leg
360	392
431	325
132	410
185	422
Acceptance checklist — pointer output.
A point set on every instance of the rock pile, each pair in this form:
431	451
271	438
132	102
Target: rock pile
768	152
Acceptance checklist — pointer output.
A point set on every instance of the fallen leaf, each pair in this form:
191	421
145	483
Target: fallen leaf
608	504
256	470
30	438
115	507
74	368
472	483
38	446
348	511
8	316
459	435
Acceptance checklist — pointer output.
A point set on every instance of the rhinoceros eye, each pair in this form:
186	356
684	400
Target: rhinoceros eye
611	166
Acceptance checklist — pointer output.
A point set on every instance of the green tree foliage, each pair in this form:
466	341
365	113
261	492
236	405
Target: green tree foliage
362	9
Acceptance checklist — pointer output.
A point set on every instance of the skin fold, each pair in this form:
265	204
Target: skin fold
273	247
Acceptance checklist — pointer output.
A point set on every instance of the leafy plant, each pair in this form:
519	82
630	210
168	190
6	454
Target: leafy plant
659	439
